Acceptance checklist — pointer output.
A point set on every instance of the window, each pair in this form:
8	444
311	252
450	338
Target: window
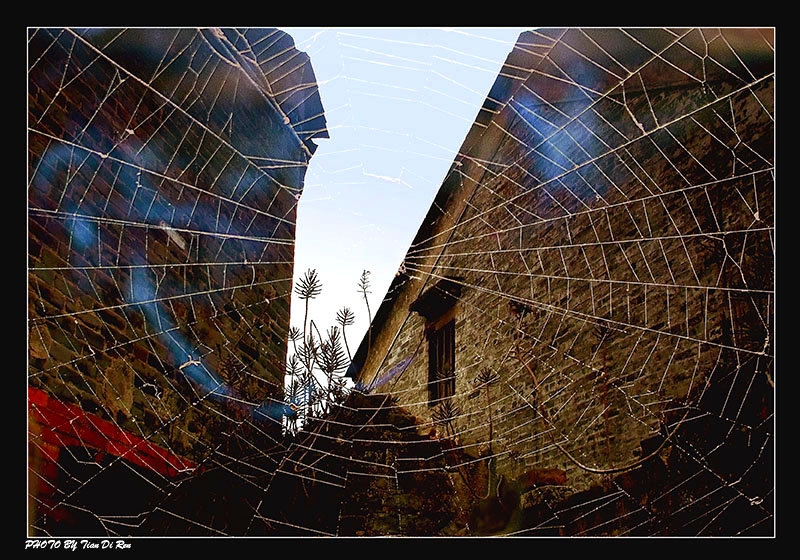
437	306
441	360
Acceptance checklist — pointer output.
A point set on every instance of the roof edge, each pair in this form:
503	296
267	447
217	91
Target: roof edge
512	75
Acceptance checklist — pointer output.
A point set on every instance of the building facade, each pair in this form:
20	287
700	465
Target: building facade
587	309
165	166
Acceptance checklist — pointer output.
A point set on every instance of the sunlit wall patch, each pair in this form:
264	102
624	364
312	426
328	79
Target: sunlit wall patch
563	156
184	356
50	172
273	410
393	372
82	230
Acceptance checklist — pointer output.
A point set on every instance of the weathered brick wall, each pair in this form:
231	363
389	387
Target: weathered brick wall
165	168
631	254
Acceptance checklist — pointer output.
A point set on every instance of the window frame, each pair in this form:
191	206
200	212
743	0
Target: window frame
441	338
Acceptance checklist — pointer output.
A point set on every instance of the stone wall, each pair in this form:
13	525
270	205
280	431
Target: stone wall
165	168
619	239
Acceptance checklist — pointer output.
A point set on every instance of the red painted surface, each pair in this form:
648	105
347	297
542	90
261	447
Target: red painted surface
61	425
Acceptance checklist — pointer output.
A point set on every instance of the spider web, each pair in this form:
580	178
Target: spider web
611	244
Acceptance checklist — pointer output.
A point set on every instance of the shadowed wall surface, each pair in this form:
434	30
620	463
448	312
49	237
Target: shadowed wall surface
165	167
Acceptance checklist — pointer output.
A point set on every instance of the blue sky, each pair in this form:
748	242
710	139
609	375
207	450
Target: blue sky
399	102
